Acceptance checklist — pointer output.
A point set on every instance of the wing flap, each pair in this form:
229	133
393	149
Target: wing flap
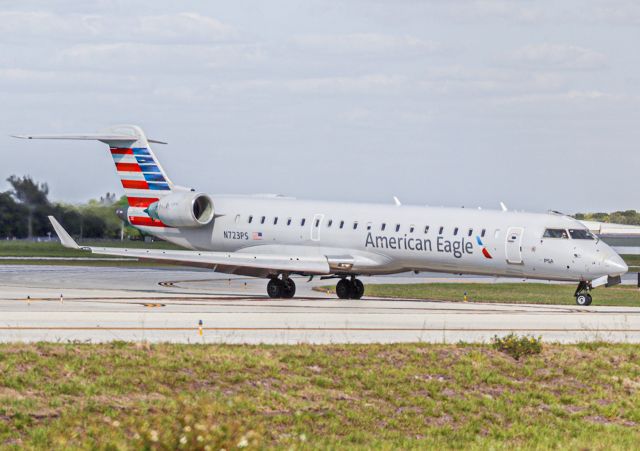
304	264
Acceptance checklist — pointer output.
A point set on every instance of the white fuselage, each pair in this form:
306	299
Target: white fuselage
359	238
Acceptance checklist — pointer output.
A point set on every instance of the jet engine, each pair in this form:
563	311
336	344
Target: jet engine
183	210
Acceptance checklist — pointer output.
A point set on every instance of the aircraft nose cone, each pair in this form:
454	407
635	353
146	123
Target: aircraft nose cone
615	265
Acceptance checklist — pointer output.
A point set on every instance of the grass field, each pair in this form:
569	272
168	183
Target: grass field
633	261
530	293
127	396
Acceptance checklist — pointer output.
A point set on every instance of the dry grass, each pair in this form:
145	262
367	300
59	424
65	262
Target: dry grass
125	396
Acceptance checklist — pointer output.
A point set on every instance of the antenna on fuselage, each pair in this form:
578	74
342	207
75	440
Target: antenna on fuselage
503	206
397	201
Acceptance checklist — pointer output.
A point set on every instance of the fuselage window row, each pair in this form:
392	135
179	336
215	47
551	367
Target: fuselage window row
383	226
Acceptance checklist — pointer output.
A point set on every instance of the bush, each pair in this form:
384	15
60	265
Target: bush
517	346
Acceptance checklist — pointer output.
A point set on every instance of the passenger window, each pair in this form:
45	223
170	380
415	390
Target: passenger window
411	228
397	227
250	219
441	230
288	221
426	229
329	223
383	226
482	234
368	226
341	224
470	232
555	233
262	220
581	234
303	221
455	231
355	225
275	220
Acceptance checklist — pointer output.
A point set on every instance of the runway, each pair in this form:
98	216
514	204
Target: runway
92	304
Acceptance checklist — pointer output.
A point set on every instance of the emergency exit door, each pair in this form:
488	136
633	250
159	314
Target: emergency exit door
513	249
315	227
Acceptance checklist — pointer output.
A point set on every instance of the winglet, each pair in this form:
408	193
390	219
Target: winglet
65	238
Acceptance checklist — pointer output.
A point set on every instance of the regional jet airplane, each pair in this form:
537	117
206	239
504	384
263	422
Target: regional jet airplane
275	237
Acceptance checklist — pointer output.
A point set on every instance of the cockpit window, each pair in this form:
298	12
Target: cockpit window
555	233
580	234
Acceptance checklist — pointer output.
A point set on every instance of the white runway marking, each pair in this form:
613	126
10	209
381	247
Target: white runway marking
104	304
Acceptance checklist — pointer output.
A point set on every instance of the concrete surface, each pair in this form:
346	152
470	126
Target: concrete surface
156	304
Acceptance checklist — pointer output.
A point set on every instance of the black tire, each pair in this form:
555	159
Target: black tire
288	288
583	299
275	288
589	299
357	289
343	289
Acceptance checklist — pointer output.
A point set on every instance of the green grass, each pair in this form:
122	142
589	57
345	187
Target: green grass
633	261
123	396
529	293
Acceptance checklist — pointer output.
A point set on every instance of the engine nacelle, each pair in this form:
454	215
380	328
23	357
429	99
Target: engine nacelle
183	210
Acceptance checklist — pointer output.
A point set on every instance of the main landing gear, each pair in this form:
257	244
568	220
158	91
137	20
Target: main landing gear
582	295
350	289
281	288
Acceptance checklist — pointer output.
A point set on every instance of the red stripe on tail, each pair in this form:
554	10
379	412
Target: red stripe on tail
144	221
135	184
129	167
141	201
121	151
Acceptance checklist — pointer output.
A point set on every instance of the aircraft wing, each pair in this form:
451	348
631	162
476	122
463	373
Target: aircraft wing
254	264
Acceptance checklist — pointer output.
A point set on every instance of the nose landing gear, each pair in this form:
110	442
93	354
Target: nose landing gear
583	298
350	289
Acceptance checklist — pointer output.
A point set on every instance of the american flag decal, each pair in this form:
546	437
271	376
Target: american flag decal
256	236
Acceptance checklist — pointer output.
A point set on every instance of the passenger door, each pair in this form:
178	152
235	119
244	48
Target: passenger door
513	246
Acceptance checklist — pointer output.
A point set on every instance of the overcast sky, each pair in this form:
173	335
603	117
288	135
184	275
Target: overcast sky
535	103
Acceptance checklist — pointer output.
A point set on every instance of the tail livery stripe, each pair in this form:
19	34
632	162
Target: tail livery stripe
142	201
145	221
150	168
158	186
128	167
142	178
153	177
121	151
134	184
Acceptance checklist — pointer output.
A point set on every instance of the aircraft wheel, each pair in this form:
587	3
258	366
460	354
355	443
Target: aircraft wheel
343	289
358	289
584	299
275	288
288	288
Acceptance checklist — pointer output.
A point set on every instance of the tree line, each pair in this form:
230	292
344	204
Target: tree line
629	217
24	209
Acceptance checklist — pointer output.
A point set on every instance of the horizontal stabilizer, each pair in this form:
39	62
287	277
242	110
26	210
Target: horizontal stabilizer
90	137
